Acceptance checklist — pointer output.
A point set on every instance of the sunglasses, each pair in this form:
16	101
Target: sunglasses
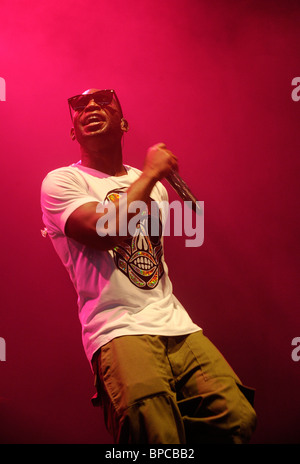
101	98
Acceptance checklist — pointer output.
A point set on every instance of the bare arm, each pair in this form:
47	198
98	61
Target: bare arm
82	223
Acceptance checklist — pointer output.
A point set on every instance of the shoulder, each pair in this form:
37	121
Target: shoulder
61	173
62	177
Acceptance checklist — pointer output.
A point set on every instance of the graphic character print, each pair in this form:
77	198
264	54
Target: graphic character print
140	257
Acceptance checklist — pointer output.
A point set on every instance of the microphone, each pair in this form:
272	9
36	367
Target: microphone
183	190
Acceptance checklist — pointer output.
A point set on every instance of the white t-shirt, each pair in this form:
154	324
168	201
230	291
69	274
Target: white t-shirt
124	291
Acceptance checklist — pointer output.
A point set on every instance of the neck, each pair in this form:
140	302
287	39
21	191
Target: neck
105	159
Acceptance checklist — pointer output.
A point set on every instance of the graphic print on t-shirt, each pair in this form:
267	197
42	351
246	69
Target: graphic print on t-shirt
139	257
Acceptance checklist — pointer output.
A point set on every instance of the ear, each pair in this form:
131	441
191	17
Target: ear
72	133
124	125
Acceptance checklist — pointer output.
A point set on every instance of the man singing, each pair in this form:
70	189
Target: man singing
159	380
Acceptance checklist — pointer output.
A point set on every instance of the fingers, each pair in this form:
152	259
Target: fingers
163	146
160	161
172	158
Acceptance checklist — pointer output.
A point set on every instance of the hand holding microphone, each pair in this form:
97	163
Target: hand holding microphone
164	165
160	161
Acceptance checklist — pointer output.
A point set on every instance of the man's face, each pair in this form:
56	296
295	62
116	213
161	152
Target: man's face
95	120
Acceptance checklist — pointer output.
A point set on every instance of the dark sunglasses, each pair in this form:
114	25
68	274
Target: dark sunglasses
102	98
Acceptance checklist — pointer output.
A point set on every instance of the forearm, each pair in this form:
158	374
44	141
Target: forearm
104	226
114	219
140	189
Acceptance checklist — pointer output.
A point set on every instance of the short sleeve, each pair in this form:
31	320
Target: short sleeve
62	192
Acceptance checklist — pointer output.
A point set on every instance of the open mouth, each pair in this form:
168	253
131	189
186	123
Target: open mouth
93	119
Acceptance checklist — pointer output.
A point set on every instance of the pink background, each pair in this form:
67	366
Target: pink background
211	79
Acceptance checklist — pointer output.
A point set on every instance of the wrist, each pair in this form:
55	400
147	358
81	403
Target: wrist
150	176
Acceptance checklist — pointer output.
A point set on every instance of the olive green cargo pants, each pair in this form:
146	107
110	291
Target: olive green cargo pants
171	390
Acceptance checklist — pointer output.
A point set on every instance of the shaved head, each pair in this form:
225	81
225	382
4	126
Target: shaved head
89	91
